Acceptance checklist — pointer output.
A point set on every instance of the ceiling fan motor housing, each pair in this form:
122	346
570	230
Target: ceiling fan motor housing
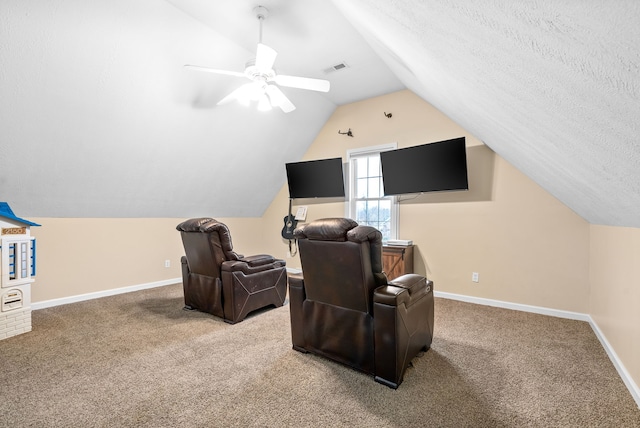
254	73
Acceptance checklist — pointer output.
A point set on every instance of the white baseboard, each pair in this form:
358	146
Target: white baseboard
624	374
622	371
515	306
97	294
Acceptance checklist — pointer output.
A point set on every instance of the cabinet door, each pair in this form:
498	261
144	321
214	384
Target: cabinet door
397	261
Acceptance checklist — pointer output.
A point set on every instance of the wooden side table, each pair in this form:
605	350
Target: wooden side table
397	260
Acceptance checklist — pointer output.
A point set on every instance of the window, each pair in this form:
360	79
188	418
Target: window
367	203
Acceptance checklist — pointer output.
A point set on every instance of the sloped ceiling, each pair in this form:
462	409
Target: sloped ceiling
98	117
552	87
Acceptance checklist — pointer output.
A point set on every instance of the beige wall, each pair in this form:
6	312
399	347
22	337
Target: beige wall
615	294
86	255
526	246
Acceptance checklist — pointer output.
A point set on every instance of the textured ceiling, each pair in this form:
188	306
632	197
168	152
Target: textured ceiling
98	118
553	87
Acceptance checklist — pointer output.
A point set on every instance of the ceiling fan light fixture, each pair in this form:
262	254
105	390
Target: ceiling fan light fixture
256	91
261	73
264	104
278	99
244	94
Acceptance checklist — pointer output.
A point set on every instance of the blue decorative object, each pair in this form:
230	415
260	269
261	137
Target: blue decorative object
17	271
5	211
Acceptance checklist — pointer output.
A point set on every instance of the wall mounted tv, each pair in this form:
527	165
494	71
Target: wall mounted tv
426	168
316	179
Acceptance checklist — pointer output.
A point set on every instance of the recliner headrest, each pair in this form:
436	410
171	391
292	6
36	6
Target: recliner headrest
365	233
344	229
194	224
209	225
326	229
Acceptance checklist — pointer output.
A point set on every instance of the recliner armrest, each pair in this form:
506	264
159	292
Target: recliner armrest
258	259
296	280
248	269
405	289
297	296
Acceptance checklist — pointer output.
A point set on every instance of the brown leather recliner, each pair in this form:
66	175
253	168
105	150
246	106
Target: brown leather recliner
221	282
343	308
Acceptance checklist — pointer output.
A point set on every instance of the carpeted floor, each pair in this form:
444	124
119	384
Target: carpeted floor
138	359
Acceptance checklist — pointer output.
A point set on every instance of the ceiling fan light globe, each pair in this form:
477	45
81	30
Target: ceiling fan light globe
278	99
256	90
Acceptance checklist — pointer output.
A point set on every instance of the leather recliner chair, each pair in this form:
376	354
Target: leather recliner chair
221	282
343	308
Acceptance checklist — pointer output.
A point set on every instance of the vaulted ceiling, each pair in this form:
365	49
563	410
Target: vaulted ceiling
98	117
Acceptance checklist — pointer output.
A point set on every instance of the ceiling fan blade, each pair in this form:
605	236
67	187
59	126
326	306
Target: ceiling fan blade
214	70
278	99
265	57
303	83
242	94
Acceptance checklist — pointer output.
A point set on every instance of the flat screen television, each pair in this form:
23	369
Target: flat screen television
429	167
315	179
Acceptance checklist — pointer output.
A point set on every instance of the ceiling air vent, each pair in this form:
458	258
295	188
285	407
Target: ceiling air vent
336	67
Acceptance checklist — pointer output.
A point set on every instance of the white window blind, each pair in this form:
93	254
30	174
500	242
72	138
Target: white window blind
367	203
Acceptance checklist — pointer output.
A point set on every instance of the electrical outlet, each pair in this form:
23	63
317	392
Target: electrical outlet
475	277
167	263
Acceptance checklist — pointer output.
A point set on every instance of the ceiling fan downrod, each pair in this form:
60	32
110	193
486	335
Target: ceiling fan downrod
261	13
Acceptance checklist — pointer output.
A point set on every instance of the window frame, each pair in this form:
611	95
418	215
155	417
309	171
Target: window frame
353	154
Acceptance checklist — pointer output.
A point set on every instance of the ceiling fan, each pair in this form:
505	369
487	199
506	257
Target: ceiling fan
264	79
